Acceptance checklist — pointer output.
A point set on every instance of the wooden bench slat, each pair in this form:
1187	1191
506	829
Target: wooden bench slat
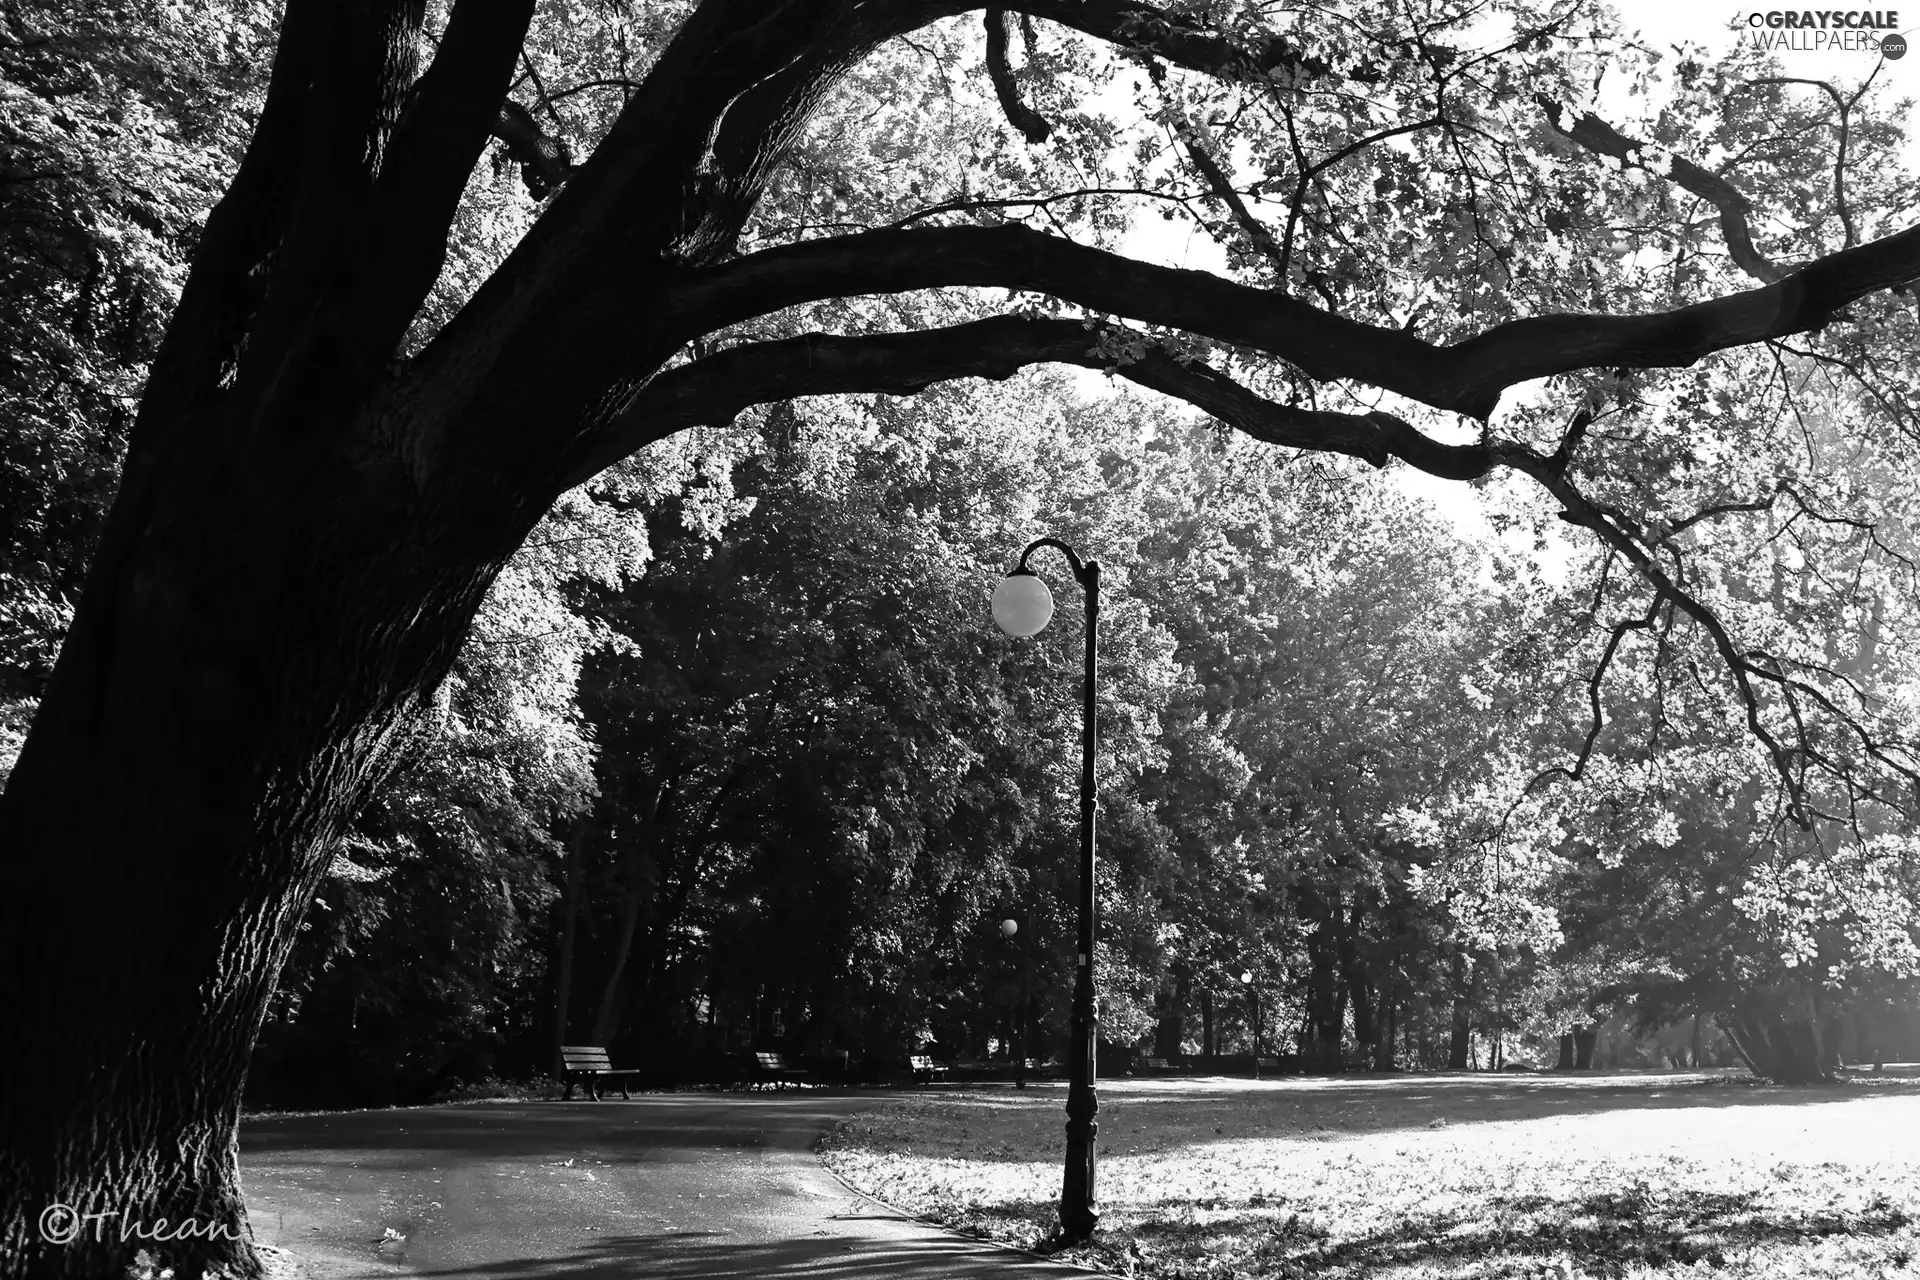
773	1066
592	1062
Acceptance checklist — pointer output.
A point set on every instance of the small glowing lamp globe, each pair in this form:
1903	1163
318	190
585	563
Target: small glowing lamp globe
1246	976
1009	927
1022	605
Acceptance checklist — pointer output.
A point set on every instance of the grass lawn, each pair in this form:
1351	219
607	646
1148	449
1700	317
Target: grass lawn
1648	1174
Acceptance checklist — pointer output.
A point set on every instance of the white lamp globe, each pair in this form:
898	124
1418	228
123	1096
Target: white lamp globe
1009	927
1246	977
1022	605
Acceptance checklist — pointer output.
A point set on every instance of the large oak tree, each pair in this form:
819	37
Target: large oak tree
315	500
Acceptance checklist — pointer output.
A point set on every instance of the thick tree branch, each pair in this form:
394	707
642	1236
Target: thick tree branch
553	330
1601	138
545	160
363	81
1374	438
712	390
447	120
227	281
1024	118
1190	41
1467	377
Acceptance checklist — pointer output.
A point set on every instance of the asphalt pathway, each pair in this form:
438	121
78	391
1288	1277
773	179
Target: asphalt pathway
669	1186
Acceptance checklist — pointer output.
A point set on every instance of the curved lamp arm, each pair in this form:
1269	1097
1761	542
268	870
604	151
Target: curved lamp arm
1081	569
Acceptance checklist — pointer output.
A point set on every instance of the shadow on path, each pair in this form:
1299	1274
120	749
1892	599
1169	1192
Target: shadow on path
1201	1111
711	1256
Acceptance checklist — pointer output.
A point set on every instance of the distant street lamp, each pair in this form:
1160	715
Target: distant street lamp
1009	928
1246	980
1022	606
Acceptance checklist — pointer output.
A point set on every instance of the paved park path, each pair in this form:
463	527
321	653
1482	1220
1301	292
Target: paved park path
667	1186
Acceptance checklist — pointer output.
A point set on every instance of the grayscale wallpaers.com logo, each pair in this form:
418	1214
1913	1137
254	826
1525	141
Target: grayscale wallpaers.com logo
1839	30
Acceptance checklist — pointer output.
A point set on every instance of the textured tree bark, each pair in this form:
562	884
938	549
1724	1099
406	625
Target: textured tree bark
244	677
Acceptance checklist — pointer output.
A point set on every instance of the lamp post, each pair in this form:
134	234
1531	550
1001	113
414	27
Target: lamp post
1011	928
1022	606
1246	980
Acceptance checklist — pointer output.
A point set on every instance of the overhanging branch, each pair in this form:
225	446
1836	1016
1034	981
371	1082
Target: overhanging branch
1186	40
1748	670
1601	138
1000	70
1466	377
713	389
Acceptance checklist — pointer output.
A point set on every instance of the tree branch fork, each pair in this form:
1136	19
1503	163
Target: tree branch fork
556	336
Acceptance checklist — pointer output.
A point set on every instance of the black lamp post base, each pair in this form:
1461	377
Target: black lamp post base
1079	1232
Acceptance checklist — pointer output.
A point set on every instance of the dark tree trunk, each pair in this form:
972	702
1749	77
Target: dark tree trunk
303	531
1170	1028
1584	1039
243	711
1783	1046
1833	1036
1566	1052
563	965
1383	1045
1320	1047
1207	1046
641	872
1358	980
1326	994
1460	1046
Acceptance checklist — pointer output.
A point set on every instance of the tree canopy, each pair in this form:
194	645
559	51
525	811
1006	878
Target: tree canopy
467	259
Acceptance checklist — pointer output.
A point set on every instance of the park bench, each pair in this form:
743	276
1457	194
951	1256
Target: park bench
925	1069
589	1062
772	1068
1158	1067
